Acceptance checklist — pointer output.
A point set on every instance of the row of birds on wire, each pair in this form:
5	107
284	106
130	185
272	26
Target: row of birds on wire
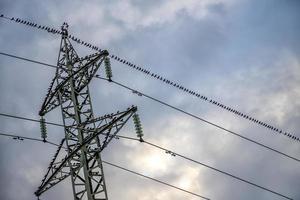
158	77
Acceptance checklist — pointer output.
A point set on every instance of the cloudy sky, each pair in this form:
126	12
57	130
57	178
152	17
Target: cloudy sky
243	53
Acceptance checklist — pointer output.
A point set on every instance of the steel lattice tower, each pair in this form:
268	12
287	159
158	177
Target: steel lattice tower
85	135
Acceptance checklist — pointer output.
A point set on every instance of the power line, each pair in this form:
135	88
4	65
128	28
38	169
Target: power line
173	154
215	169
206	99
30	119
168	151
154	75
21	138
153	179
203	120
29	60
168	105
111	164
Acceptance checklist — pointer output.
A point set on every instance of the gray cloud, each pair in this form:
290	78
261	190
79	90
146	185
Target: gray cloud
242	53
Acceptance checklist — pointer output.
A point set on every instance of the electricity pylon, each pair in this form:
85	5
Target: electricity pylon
85	135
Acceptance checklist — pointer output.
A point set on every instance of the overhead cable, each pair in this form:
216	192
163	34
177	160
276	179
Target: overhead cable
22	138
18	137
158	77
170	106
173	153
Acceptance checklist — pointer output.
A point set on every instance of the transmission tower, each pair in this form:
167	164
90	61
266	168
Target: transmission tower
85	136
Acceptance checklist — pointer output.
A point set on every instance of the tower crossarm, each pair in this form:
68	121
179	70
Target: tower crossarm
54	162
58	171
86	69
109	134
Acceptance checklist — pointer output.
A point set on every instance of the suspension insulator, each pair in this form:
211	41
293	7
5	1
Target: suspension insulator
108	70
138	126
43	129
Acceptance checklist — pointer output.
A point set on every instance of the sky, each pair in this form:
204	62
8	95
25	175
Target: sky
242	53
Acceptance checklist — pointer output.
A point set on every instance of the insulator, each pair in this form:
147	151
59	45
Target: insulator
43	129
138	126
108	70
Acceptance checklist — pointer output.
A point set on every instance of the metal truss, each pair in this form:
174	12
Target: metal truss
85	135
107	128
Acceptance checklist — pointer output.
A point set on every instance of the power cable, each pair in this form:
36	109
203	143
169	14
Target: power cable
153	179
166	104
173	154
215	169
159	77
201	119
111	164
29	60
21	138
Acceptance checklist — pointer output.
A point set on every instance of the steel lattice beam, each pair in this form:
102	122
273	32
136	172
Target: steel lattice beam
59	170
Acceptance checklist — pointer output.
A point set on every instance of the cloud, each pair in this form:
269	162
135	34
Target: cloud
164	12
248	60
